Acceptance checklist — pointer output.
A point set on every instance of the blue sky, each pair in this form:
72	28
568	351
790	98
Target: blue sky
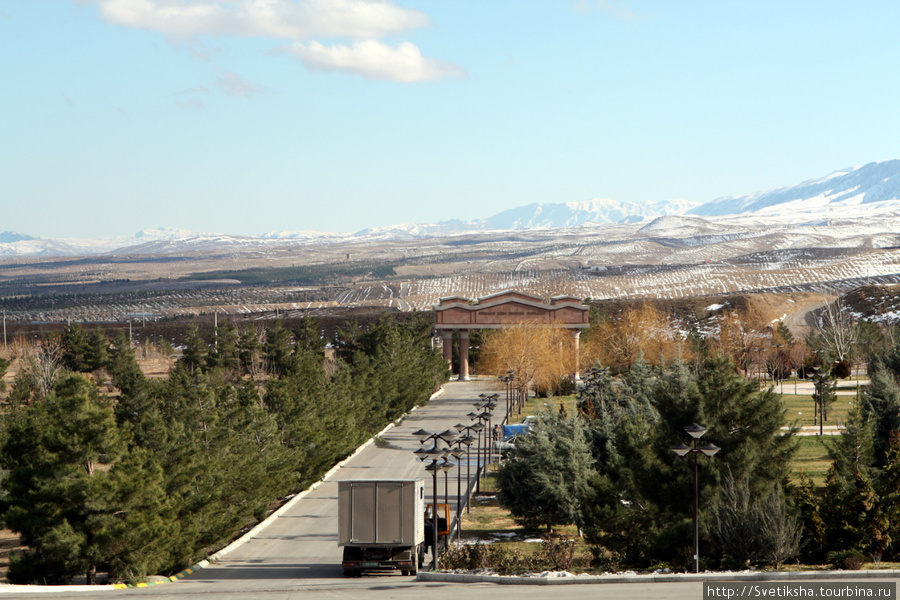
249	116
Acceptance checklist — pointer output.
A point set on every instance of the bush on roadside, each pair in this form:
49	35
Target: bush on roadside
847	560
603	558
558	552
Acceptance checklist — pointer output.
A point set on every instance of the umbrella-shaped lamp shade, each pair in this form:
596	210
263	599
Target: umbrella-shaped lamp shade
709	449
421	435
695	431
681	449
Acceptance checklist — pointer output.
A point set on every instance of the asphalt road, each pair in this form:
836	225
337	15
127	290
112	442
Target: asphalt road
297	557
299	549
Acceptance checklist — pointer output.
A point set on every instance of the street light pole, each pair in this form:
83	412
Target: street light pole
459	442
696	432
469	429
434	454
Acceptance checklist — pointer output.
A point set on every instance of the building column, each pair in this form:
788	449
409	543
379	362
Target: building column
464	355
576	336
447	347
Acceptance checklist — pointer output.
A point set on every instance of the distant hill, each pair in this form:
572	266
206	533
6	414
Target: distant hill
849	194
872	187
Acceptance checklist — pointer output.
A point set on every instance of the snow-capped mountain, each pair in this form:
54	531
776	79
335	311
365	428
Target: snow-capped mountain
860	193
573	214
870	188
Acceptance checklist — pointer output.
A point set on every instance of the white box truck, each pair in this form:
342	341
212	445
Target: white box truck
381	525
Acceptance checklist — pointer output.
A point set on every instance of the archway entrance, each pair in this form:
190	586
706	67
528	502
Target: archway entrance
506	309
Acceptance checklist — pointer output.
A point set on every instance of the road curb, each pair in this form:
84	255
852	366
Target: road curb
246	537
569	579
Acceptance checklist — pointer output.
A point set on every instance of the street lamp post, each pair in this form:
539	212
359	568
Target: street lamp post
484	419
696	432
477	427
458	453
779	366
508	379
434	454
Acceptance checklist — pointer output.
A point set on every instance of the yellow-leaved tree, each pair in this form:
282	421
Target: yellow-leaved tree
541	356
640	332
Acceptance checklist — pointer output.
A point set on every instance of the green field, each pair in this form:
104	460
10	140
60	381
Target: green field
811	458
800	410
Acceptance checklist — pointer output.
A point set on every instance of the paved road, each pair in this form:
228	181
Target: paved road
299	549
297	556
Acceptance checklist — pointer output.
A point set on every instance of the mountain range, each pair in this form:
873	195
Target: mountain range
856	193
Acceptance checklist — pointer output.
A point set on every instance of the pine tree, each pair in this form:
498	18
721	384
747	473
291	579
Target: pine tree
193	356
123	366
51	452
75	347
546	478
97	353
277	349
880	405
224	352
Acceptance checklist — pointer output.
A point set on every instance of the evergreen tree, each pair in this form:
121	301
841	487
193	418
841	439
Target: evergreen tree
193	356
880	406
308	337
249	351
277	349
805	499
123	366
134	520
824	395
643	499
97	353
224	353
74	344
4	365
50	453
546	478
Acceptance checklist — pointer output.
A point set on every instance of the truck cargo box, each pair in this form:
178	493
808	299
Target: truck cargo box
385	513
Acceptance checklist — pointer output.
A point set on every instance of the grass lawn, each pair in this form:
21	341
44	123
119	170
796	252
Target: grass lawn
800	409
537	405
488	523
811	458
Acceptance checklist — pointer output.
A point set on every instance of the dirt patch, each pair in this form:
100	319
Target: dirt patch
9	542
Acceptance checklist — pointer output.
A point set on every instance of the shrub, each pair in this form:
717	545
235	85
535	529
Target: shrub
558	552
847	560
472	557
606	559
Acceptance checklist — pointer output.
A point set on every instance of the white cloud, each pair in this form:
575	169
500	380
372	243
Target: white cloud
303	22
282	19
375	60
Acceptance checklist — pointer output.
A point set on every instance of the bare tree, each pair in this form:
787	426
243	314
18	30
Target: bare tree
836	327
44	362
780	531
